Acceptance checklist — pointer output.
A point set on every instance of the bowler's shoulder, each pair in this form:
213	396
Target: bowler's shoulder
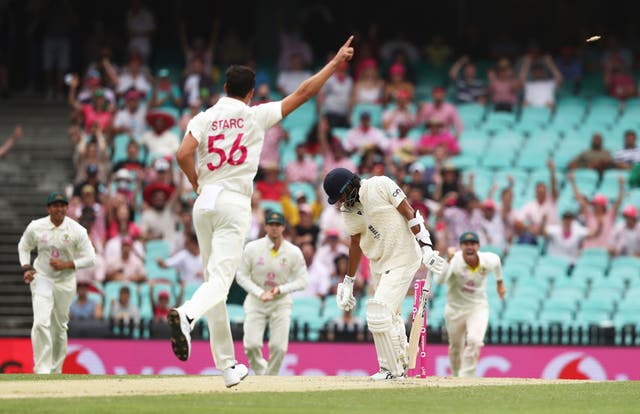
490	258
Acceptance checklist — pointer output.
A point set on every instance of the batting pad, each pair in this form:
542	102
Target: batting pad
385	336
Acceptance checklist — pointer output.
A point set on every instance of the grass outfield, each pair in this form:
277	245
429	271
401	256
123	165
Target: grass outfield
588	397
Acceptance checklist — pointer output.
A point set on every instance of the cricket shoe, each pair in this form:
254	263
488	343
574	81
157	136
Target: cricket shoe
180	333
385	374
233	375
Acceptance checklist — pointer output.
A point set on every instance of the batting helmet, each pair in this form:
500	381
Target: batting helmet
336	183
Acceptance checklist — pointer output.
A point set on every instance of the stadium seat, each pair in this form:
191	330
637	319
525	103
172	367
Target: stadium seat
595	261
155	249
624	273
154	271
608	283
597	303
236	313
112	292
626	261
375	110
559	303
567	281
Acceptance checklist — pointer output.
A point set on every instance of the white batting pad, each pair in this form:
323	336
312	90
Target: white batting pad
385	336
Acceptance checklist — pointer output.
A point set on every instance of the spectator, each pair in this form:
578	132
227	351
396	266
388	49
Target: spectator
540	91
334	153
460	214
365	135
141	26
492	226
333	99
346	326
319	277
135	75
625	238
596	212
401	146
107	72
596	157
132	164
303	168
160	301
83	307
397	82
618	81
566	239
369	86
201	48
13	138
91	178
445	112
522	234
59	20
504	87
544	204
570	68
627	157
402	113
131	119
161	140
128	266
93	82
306	230
437	135
194	108
293	46
123	311
399	43
271	186
98	230
198	85
158	219
437	52
92	150
165	93
469	88
289	79
331	249
121	223
188	262
271	147
98	111
447	179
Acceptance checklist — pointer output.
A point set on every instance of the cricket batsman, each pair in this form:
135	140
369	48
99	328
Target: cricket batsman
393	236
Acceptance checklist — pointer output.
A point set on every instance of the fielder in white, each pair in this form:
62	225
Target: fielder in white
271	268
227	139
393	236
466	314
63	246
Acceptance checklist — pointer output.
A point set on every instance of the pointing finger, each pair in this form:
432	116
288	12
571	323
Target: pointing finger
348	42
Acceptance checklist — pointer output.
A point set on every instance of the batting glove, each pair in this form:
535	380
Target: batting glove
344	295
432	260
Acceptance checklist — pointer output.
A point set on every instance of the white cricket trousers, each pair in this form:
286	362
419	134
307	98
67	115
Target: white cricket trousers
221	231
466	330
391	287
257	313
50	323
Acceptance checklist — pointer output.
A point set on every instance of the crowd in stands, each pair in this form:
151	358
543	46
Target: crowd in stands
515	147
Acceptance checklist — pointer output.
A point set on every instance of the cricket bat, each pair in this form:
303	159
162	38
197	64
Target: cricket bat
417	324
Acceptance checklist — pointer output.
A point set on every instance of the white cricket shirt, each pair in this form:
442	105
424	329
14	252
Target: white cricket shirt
67	242
262	269
385	237
230	135
467	287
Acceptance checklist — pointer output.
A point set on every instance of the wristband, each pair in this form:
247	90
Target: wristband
24	269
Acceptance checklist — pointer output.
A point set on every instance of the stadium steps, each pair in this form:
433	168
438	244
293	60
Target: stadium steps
37	165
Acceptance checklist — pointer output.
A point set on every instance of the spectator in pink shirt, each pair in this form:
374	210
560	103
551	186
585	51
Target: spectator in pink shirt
303	169
597	211
625	238
334	154
544	204
402	113
437	135
397	81
438	108
271	147
365	135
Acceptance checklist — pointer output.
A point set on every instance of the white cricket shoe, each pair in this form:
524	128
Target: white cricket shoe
385	374
233	375
180	333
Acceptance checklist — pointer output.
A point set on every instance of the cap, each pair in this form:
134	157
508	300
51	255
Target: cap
568	214
416	167
397	69
123	174
274	217
365	115
332	233
438	89
403	94
93	74
133	94
630	211
88	189
98	93
600	199
469	236
304	208
56	197
489	203
163	294
92	169
126	241
83	283
161	164
336	182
